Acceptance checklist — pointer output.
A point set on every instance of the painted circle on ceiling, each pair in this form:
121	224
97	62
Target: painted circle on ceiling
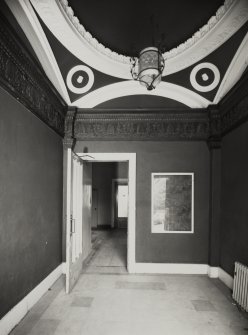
205	77
80	79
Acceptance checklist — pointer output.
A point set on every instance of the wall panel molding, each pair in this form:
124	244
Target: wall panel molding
21	77
145	125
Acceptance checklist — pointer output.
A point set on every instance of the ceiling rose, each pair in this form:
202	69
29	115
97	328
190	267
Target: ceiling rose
126	58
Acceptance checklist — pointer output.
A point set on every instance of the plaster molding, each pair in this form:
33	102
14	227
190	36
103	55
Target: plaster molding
214	139
54	16
131	87
128	126
28	21
67	28
226	278
235	70
167	55
21	77
234	116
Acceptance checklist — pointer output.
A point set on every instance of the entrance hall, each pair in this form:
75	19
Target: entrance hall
122	304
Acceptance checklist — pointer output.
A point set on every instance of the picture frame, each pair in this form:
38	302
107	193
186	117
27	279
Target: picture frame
172	202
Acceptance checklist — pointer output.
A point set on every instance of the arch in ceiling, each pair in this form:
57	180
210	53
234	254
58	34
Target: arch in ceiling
130	87
67	28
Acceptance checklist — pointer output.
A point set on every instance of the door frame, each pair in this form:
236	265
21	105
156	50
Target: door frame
130	158
115	180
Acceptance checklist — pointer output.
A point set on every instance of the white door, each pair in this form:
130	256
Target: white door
74	214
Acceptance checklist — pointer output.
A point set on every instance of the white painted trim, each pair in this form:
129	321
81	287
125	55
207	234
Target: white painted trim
172	53
27	19
213	271
64	268
153	231
171	268
17	313
121	180
132	87
57	21
68	30
234	71
131	159
68	217
226	278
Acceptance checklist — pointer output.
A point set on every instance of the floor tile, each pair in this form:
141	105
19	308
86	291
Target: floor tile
109	301
139	285
44	327
203	305
82	301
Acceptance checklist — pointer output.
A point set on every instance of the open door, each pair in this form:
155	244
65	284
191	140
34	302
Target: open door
74	213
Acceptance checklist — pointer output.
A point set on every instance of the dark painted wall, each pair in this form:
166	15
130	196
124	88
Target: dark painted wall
234	208
102	175
30	201
166	157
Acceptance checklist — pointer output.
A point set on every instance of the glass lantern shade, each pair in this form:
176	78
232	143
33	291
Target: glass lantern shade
150	67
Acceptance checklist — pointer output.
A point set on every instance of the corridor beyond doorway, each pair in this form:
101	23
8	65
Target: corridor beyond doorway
109	252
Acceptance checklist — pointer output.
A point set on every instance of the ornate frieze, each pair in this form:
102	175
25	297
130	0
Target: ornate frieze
22	78
214	139
234	116
165	125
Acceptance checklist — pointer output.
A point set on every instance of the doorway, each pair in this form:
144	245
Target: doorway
130	159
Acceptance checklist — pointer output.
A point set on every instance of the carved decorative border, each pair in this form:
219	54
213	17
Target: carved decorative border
235	116
129	126
167	55
234	106
21	77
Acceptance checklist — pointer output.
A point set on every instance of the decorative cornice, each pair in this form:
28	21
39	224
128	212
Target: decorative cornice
60	19
21	77
234	106
130	126
214	139
89	38
235	116
201	32
167	55
68	140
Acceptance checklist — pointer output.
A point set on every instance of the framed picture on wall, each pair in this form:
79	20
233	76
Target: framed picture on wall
172	203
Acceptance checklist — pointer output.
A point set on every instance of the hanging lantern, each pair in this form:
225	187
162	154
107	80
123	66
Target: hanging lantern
148	68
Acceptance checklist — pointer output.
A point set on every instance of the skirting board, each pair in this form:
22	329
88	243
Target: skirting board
194	269
17	313
63	268
226	278
172	268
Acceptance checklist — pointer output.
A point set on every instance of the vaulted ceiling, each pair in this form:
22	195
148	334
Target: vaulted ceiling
85	48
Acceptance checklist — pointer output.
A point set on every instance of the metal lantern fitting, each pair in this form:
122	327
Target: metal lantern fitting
148	68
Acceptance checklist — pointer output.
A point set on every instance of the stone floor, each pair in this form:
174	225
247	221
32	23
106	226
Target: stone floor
109	301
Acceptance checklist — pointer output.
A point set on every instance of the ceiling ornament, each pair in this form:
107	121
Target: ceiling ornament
205	77
148	68
80	79
89	38
65	26
131	87
169	54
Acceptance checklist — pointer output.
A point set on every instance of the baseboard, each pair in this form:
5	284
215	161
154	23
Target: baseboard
226	278
17	313
194	269
170	268
63	268
213	271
